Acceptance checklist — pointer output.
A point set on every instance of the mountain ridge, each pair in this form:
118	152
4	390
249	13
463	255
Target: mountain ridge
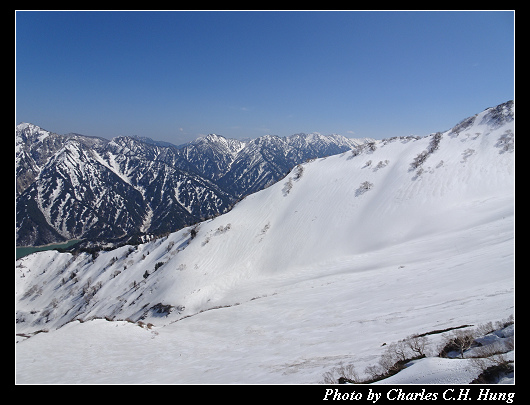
178	185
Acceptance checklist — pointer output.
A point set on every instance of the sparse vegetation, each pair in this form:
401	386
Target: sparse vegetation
417	344
489	358
363	188
222	229
381	164
492	374
467	153
368	147
506	142
288	186
341	374
393	360
435	143
459	340
431	148
266	228
419	159
162	309
194	232
299	171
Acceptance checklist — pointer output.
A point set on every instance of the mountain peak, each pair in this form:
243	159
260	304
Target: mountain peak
28	133
209	138
499	115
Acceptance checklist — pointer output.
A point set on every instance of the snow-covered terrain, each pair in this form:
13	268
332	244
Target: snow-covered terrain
400	237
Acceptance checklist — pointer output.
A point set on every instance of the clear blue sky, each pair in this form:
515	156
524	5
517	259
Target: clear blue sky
174	76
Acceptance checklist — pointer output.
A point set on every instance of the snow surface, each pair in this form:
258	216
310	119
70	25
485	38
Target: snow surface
292	281
435	370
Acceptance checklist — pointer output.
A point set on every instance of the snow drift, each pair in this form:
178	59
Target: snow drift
395	237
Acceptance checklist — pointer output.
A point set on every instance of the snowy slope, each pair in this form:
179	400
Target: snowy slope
351	251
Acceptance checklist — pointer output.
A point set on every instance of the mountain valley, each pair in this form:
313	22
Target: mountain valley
346	253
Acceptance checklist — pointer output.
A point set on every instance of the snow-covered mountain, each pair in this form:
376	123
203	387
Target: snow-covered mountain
212	155
73	187
397	237
78	187
262	161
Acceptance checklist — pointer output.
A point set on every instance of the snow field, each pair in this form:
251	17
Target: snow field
287	285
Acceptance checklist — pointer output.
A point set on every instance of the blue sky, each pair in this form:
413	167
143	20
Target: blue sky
175	76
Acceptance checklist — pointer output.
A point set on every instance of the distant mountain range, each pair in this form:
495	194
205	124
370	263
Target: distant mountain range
80	187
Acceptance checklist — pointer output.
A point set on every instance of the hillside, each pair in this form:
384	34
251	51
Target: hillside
348	252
